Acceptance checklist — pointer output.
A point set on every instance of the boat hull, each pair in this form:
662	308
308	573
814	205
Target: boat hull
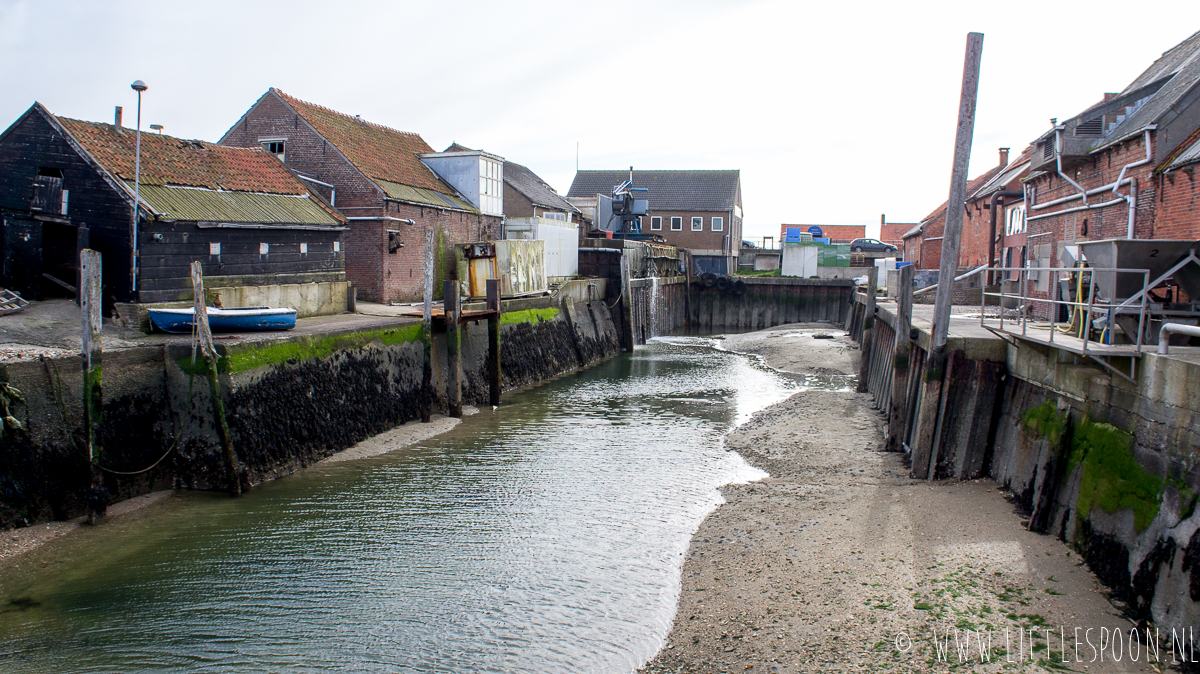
250	319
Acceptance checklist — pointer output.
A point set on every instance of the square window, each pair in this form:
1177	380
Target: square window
718	224
337	246
264	248
214	249
697	224
304	249
655	223
676	224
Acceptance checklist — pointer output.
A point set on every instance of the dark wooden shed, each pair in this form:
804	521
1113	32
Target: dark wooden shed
66	184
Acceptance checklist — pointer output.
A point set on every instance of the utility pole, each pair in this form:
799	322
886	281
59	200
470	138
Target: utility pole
924	455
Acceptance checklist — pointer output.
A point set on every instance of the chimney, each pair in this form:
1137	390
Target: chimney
883	218
117	117
1004	156
1108	96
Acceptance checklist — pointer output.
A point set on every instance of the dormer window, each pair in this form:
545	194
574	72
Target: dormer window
274	146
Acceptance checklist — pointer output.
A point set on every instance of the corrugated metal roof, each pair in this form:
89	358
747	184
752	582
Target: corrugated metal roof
420	195
1187	153
202	205
669	190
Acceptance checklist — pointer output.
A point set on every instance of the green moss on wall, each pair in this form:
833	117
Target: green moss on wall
1045	420
1111	477
250	356
528	316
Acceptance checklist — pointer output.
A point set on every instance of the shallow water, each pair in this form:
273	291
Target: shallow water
547	536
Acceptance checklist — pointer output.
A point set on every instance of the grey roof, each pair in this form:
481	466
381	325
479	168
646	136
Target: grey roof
1186	154
1181	67
534	188
669	190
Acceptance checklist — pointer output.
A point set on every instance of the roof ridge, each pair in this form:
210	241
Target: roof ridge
352	118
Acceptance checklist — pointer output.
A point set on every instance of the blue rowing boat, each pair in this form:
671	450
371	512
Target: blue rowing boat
241	319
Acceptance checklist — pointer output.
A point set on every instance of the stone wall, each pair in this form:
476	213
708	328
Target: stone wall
289	402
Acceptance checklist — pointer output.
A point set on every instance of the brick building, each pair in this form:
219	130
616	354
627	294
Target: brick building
69	184
1119	169
697	210
835	233
391	186
893	232
991	210
923	243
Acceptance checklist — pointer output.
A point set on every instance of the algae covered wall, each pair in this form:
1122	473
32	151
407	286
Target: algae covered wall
1109	466
288	403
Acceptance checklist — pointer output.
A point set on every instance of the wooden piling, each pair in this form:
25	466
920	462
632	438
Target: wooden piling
898	410
204	336
453	349
864	363
427	333
90	304
924	453
493	357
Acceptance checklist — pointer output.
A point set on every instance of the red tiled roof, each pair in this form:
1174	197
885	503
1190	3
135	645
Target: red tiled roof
376	150
167	160
939	214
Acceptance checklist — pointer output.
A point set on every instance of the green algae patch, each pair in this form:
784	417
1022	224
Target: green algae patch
1045	420
1111	477
528	316
251	356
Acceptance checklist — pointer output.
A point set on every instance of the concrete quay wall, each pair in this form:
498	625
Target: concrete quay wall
289	401
1110	466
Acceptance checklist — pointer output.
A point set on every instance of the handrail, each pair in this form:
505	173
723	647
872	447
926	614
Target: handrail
1092	306
979	269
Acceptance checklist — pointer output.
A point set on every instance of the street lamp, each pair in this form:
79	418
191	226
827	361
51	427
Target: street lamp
138	86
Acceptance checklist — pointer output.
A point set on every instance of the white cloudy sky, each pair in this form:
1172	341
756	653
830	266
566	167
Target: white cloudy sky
835	112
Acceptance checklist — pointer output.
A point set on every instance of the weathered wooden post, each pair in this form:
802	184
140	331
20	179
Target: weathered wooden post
898	410
427	333
453	348
91	298
204	336
493	356
627	339
924	454
868	331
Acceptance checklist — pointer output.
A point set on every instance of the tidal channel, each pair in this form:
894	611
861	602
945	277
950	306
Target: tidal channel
547	536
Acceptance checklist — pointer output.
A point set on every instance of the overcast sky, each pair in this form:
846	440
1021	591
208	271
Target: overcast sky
835	112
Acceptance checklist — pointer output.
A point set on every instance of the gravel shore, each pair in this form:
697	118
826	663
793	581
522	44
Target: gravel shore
839	562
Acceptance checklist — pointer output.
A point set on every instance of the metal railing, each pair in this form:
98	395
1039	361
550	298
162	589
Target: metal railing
1106	308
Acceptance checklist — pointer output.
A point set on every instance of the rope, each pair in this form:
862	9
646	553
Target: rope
62	410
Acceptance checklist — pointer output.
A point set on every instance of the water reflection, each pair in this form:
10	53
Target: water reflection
547	536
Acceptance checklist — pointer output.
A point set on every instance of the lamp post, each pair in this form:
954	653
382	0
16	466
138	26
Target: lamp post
138	86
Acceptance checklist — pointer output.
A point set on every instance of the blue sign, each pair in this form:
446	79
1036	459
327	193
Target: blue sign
815	231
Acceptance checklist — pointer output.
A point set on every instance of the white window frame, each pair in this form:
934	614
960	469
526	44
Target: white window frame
265	143
697	223
676	223
656	223
718	223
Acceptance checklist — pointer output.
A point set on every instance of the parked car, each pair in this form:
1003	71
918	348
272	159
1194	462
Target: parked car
748	244
871	246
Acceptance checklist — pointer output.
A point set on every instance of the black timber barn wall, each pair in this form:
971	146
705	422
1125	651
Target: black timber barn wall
165	262
32	143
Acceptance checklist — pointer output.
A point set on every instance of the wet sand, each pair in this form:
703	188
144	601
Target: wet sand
839	562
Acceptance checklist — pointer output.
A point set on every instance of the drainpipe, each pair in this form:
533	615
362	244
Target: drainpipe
995	200
332	189
389	219
1131	198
